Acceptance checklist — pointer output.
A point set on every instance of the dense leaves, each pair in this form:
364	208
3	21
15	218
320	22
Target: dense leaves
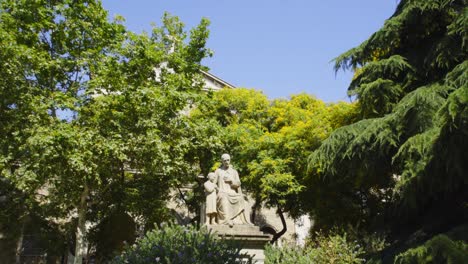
98	124
176	244
271	140
91	118
333	248
404	163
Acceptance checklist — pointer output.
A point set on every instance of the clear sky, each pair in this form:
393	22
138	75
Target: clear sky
281	47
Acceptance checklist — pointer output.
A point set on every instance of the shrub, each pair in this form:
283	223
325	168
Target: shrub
286	255
181	244
334	248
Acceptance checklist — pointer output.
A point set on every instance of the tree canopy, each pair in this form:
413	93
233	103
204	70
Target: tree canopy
270	140
99	124
404	162
90	112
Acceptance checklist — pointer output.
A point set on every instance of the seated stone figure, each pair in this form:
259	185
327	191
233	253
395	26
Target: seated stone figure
230	203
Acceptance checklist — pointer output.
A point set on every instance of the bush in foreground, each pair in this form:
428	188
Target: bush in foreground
334	248
181	244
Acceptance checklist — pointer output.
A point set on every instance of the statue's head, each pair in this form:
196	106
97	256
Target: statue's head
226	160
211	176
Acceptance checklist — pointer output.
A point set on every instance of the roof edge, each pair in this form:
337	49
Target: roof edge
218	79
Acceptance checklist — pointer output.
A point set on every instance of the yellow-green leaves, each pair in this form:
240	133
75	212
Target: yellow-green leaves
271	140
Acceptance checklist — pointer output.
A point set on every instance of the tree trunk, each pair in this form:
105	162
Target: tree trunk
285	228
255	208
19	244
81	228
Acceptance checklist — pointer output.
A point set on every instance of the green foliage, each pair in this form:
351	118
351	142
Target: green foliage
87	117
424	247
439	249
274	185
234	106
105	238
404	162
286	255
178	244
333	248
269	140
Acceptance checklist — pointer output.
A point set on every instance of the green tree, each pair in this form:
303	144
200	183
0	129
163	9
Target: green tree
87	119
405	162
271	140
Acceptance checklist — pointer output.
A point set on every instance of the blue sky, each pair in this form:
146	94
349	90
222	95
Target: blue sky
281	47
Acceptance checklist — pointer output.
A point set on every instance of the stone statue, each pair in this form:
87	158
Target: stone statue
232	211
231	206
211	190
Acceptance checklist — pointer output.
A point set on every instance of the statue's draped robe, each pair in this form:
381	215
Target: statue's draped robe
231	203
211	199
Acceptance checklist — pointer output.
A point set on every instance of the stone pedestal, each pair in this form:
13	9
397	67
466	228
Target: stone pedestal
249	236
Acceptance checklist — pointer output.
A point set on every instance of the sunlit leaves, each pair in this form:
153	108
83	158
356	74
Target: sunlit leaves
413	98
271	140
86	117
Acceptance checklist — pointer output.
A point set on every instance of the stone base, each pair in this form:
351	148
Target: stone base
249	236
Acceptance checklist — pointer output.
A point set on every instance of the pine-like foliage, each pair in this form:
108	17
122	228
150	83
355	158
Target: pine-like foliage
407	157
